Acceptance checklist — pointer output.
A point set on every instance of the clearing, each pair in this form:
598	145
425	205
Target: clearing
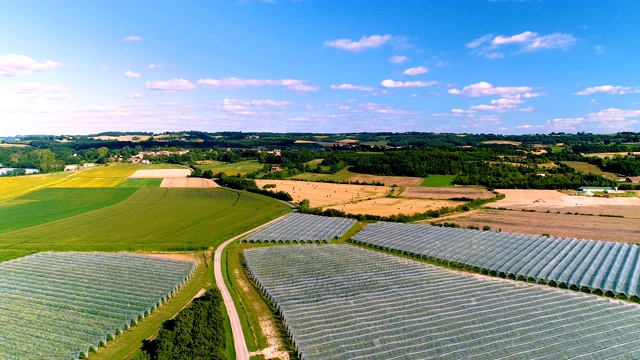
552	223
438	180
589	168
160	173
389	206
388	180
446	193
188	183
240	167
555	201
326	194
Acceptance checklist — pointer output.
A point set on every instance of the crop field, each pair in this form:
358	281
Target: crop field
326	194
152	219
48	205
240	167
340	302
554	224
341	175
589	168
14	186
302	228
62	305
388	206
140	183
388	180
593	266
87	182
444	193
612	154
188	183
120	171
438	180
160	173
502	142
555	201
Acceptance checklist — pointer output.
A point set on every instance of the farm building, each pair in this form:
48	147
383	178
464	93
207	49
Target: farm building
597	188
633	179
70	167
275	169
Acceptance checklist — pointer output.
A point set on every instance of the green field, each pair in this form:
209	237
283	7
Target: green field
589	168
14	186
240	167
438	180
341	175
152	219
140	183
54	204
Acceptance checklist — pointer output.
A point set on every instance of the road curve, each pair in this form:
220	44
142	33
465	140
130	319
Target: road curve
236	327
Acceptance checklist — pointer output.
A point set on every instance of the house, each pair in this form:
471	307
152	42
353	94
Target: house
596	188
633	179
145	161
71	167
275	169
88	165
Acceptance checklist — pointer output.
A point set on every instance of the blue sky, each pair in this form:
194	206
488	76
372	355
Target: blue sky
511	67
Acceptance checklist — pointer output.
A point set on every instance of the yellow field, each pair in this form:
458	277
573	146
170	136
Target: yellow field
390	206
89	182
109	171
13	186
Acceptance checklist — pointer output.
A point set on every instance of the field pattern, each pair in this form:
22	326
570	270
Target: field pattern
14	186
160	173
158	219
100	176
343	302
61	305
592	266
302	228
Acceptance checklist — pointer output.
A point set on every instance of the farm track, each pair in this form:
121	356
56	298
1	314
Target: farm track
242	353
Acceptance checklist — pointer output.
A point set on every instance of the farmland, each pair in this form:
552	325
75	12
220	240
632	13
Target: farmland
187	183
48	205
388	206
302	228
341	175
589	168
340	301
240	167
160	173
387	180
438	180
552	223
445	193
199	218
100	176
78	301
15	186
140	183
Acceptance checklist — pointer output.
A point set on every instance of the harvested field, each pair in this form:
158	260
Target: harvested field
326	194
502	142
612	154
445	193
554	201
161	173
389	206
554	224
388	180
123	138
188	183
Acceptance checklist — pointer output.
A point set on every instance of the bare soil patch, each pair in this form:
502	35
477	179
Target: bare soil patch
444	193
123	138
174	256
388	180
161	173
555	201
389	206
188	183
554	224
326	194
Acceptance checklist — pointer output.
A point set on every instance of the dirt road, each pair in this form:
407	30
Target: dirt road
236	327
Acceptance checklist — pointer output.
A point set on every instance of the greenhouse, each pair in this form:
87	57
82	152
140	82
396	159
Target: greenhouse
302	228
345	302
600	267
62	305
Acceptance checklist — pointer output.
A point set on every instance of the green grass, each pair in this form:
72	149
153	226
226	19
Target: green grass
54	204
341	175
381	143
557	149
12	254
240	167
589	168
152	219
140	183
438	180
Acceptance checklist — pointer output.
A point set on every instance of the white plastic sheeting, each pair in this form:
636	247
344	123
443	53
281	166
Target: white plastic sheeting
345	302
302	228
60	305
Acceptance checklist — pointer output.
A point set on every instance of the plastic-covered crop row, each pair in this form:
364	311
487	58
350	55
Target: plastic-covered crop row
297	227
344	302
600	267
61	305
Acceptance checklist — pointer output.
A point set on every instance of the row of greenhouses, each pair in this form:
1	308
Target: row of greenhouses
345	302
592	266
61	305
296	227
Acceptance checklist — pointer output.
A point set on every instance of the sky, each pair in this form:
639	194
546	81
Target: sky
330	66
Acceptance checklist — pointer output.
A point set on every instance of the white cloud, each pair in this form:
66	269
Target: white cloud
16	65
397	59
524	126
384	109
365	42
388	83
609	89
273	103
527	41
599	49
233	82
135	96
52	92
132	75
484	88
132	38
416	70
170	85
351	87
